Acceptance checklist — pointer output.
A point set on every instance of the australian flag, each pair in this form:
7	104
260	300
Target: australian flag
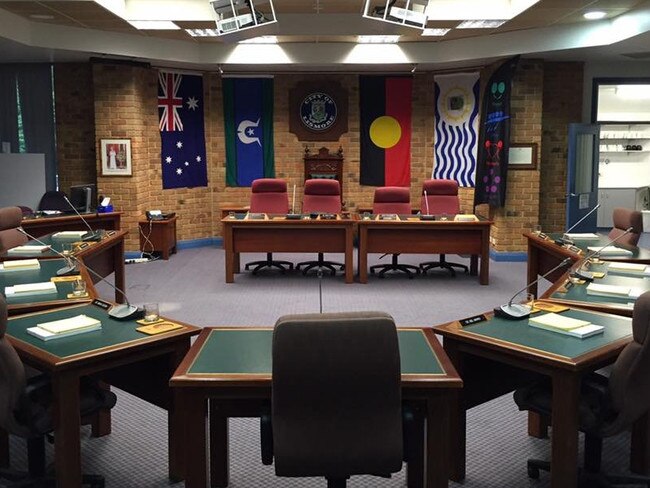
182	133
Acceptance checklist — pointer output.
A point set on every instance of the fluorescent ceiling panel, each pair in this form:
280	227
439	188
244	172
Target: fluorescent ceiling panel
153	24
377	39
476	9
435	32
481	24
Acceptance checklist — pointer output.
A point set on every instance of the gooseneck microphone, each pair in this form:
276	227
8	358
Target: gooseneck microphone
562	240
120	311
518	311
91	235
428	216
588	275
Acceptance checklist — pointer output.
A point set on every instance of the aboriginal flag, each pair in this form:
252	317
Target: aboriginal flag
385	107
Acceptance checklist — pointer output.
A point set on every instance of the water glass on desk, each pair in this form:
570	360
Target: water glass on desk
151	313
79	288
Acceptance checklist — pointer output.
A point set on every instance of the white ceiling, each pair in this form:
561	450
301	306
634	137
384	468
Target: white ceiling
319	35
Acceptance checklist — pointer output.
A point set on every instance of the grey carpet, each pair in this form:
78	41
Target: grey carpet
191	287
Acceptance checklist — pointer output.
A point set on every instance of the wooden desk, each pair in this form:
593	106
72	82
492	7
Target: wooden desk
243	389
416	236
40	226
544	255
103	257
160	234
497	356
278	234
118	355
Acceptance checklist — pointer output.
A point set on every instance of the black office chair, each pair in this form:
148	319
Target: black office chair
54	200
607	406
26	411
336	407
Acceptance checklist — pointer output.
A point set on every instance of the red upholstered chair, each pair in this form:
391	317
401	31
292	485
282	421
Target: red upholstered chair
321	196
269	195
441	198
10	218
624	218
393	200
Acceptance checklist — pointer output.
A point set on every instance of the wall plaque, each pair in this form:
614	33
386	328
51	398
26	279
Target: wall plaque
318	111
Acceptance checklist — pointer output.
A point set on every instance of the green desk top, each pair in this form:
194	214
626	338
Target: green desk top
518	332
248	351
55	243
637	253
578	292
47	271
113	332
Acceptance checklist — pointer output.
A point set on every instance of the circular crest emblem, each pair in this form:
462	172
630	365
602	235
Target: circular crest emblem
318	111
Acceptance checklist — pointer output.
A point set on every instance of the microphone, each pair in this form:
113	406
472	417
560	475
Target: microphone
565	240
293	215
121	311
518	311
426	204
91	235
588	275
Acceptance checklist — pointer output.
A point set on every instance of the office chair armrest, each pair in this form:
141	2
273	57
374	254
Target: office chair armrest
266	438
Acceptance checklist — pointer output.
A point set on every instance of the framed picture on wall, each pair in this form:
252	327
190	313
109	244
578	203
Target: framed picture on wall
522	156
116	157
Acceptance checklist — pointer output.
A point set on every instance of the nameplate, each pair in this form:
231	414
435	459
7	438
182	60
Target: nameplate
110	233
472	320
541	235
101	304
84	245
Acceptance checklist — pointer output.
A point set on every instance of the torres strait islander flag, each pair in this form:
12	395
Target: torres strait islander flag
385	106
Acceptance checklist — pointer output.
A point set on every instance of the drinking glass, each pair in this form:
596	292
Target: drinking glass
537	230
151	312
79	288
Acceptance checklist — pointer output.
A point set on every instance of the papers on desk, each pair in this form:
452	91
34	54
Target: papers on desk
610	251
65	327
465	218
52	212
631	269
69	234
20	265
565	325
583	236
27	249
28	289
598	289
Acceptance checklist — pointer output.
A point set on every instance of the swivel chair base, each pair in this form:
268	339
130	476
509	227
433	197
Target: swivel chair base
269	263
409	269
424	267
320	263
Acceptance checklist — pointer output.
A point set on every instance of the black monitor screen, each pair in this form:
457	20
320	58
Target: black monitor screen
84	197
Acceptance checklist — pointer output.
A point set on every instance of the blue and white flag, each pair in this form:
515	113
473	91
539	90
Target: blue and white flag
182	133
456	127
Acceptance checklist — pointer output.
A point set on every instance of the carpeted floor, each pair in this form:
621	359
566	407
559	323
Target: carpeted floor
191	287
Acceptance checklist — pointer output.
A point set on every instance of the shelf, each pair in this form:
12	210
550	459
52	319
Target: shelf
642	151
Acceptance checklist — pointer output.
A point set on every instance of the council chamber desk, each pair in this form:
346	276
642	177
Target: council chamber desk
544	255
231	366
103	257
117	354
496	356
46	224
279	234
410	235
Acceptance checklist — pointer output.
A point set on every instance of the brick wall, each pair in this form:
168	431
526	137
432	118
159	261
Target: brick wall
75	124
125	107
562	106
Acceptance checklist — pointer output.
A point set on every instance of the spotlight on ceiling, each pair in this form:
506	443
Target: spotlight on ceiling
410	13
232	16
594	15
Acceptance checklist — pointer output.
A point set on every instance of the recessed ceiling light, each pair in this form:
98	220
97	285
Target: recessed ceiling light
153	24
594	15
481	24
202	32
435	32
377	39
260	40
41	16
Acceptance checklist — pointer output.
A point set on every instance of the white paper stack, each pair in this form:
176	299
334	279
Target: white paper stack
20	265
633	269
598	289
610	251
27	249
583	236
565	325
70	234
465	218
28	289
65	327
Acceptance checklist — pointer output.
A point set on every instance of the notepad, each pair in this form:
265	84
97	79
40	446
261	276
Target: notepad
466	218
610	251
27	249
31	289
613	291
256	216
75	234
20	265
629	268
65	328
565	325
583	236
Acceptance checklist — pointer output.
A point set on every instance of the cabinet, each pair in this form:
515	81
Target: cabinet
158	236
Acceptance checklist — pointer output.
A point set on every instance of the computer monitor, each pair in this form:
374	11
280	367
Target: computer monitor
84	197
